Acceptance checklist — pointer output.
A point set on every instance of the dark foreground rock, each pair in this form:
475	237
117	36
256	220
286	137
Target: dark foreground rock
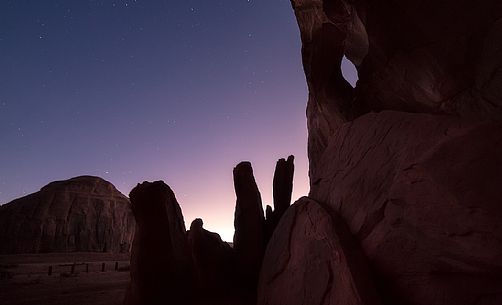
161	265
214	263
172	266
282	190
313	259
80	214
249	238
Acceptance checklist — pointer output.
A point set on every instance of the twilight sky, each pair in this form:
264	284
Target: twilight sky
145	90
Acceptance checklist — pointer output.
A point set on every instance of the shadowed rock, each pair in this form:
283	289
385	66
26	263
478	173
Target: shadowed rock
161	268
313	259
283	188
249	225
80	214
214	263
283	184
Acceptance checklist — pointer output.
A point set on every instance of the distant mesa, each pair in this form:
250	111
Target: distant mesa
84	213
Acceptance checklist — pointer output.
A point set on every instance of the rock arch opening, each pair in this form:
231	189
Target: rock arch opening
349	72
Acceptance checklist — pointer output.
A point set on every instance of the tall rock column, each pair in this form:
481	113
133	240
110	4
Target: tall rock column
283	184
161	271
249	225
283	188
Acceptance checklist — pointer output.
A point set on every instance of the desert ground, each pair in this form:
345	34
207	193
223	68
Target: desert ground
25	279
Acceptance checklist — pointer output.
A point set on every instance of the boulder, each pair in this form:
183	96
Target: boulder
80	214
161	265
421	193
312	259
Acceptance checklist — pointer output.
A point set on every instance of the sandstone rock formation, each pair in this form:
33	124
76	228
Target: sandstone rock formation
422	196
161	265
172	266
410	55
80	214
213	261
282	190
313	259
416	182
249	238
283	184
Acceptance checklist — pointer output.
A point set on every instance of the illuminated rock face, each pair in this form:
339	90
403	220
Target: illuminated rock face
411	158
80	214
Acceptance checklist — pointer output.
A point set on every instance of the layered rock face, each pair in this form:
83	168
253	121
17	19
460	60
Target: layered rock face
80	214
410	159
161	265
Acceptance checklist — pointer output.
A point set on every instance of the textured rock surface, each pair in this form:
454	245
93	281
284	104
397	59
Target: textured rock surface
312	259
422	194
161	265
417	183
249	224
80	214
449	64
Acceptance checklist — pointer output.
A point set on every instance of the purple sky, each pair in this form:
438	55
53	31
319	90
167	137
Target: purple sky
145	90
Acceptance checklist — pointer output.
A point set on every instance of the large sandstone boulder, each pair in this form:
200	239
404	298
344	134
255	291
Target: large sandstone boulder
80	214
161	265
312	259
422	195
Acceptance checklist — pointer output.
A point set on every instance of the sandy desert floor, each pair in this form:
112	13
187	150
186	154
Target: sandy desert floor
24	279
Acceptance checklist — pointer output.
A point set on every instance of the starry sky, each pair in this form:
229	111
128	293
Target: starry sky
136	90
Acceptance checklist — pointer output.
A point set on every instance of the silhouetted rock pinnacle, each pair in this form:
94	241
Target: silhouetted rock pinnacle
161	266
283	188
283	184
249	223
